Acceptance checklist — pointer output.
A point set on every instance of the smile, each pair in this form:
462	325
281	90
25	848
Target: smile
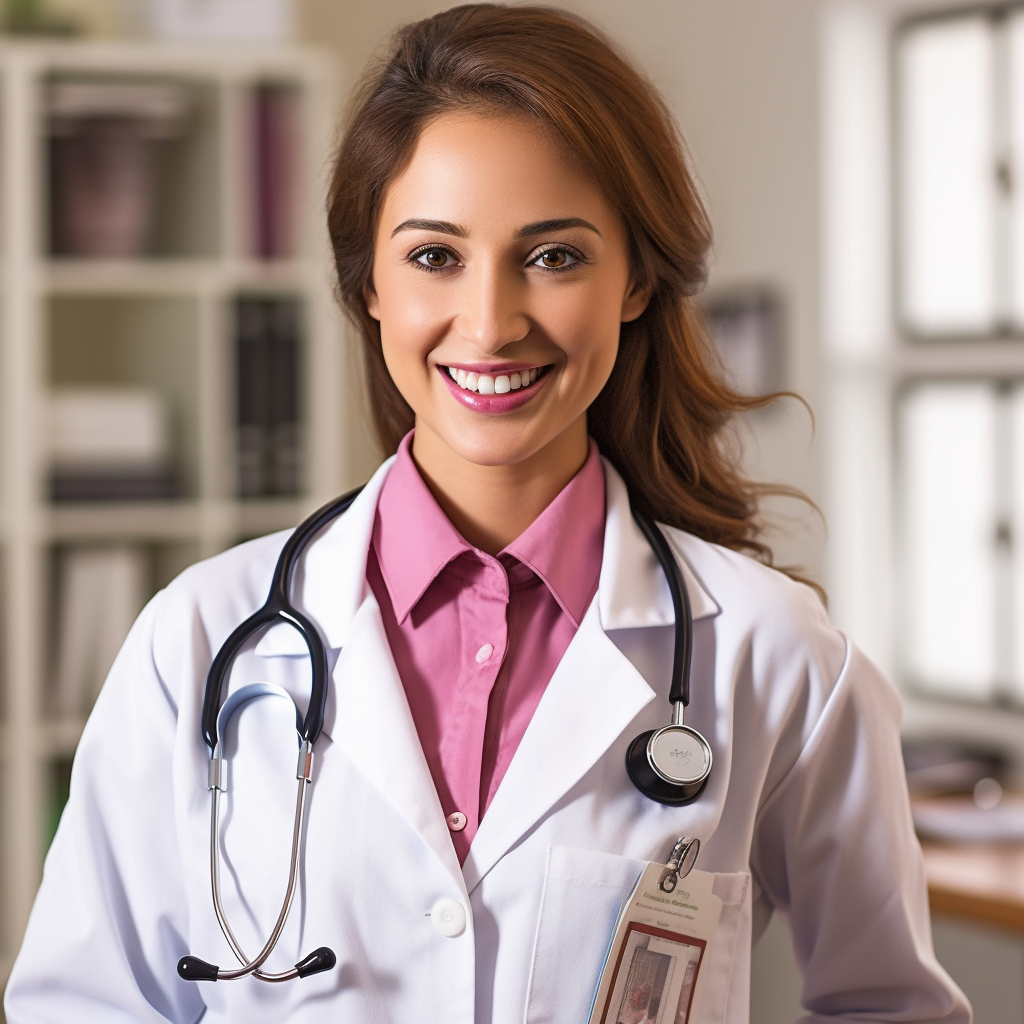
496	384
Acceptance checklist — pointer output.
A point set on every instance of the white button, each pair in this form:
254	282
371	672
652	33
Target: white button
484	653
457	821
449	918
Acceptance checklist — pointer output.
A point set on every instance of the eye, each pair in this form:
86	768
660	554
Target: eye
556	259
433	257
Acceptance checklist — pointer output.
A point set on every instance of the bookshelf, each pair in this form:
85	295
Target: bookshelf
158	317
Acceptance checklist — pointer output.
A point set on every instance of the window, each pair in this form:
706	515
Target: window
923	245
959	436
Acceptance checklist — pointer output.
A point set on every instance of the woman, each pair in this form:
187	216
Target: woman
518	240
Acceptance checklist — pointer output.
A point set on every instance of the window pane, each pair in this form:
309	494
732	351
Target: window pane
1015	616
947	183
948	557
1015	106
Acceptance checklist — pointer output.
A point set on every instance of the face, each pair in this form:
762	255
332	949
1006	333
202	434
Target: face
500	279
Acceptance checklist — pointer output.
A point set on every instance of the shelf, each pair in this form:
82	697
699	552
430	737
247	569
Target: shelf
162	324
174	277
242	61
268	515
128	521
170	521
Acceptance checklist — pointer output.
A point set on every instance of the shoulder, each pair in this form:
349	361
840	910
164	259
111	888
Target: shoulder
198	609
237	577
773	630
749	594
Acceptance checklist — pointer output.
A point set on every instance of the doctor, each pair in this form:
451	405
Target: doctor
516	236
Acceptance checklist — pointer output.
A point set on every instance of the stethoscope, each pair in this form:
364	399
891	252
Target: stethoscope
670	765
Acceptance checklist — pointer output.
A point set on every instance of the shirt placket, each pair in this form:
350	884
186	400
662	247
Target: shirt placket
483	641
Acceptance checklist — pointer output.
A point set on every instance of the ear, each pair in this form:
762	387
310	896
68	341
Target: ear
370	298
635	301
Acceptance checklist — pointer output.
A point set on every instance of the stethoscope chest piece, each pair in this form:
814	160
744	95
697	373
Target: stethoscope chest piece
670	765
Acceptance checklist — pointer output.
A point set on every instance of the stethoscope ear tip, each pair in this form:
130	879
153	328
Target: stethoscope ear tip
191	968
322	959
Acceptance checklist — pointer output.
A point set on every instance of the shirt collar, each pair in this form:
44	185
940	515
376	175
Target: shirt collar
563	545
414	540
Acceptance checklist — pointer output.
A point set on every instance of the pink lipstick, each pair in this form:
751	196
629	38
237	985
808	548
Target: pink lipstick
493	402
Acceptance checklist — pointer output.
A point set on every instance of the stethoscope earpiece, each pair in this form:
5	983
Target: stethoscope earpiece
670	765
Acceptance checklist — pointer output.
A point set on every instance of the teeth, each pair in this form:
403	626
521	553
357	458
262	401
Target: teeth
485	384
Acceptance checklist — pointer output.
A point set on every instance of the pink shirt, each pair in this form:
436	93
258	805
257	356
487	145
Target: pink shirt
475	637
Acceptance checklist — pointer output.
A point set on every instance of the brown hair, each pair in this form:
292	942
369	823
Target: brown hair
660	417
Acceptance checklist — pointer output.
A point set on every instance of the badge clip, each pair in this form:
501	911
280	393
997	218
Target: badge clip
680	862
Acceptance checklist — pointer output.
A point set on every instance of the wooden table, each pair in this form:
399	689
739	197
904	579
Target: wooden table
980	882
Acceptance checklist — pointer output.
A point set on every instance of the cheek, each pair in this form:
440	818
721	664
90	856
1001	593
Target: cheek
588	326
409	316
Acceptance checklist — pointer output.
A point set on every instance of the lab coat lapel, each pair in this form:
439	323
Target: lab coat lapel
374	728
592	697
367	716
594	694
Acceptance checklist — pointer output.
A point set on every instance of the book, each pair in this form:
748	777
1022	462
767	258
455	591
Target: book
108	444
105	139
285	442
268	372
100	592
276	148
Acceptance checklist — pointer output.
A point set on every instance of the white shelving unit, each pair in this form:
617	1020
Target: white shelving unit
173	314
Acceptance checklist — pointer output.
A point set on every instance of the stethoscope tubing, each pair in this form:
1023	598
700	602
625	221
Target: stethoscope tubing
278	609
253	966
682	648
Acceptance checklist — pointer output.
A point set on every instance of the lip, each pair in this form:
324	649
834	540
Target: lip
492	404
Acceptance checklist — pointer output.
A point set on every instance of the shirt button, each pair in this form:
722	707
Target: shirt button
484	653
457	821
449	918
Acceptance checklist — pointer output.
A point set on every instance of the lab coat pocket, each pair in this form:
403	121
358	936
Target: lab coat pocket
583	891
725	977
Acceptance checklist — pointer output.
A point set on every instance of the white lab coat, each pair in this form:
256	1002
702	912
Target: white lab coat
805	812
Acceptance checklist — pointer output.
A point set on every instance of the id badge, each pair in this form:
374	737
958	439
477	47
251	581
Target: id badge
652	973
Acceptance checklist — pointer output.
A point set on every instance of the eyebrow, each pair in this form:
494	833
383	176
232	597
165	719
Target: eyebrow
539	227
443	226
542	227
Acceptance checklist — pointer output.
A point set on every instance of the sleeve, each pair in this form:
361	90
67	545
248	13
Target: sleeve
110	919
835	852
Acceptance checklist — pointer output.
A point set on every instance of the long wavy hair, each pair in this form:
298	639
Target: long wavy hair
661	417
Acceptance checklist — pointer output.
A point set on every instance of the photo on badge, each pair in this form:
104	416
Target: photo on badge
655	976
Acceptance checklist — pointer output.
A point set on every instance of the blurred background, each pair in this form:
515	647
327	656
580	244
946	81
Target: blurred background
175	376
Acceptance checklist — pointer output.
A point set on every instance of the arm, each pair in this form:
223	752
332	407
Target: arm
835	851
109	922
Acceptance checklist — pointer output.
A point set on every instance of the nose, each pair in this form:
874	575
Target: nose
491	308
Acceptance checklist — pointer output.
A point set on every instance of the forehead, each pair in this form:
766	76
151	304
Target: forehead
470	166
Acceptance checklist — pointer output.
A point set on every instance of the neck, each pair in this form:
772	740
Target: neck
492	505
